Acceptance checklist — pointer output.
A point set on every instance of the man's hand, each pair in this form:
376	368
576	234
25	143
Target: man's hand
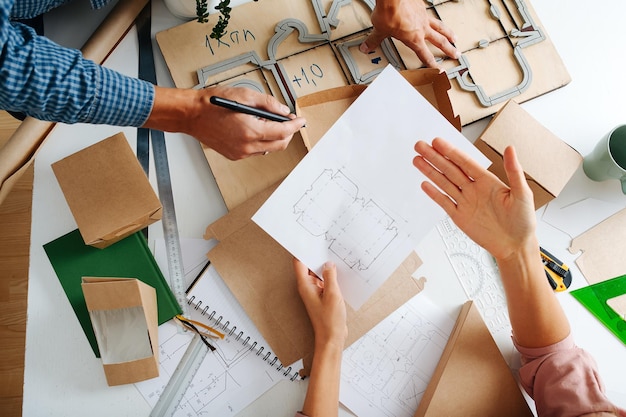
234	135
409	22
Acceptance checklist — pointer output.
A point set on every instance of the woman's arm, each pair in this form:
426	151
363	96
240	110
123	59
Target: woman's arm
327	311
502	220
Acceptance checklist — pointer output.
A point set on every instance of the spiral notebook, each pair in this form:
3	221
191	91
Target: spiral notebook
214	304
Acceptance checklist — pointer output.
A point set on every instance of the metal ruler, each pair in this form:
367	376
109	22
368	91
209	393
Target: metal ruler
162	170
196	351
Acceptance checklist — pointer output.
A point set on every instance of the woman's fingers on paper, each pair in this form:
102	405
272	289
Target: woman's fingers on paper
437	168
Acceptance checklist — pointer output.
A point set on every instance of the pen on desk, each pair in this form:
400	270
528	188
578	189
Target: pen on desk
242	108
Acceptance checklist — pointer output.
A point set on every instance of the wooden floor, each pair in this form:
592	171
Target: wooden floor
15	216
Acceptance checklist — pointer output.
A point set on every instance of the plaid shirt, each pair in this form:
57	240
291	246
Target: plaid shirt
54	83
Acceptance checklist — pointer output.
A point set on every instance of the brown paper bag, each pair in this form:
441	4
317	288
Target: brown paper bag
123	314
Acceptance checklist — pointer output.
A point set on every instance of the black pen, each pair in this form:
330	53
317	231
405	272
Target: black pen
242	108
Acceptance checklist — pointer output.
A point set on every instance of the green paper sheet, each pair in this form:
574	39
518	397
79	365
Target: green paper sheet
594	298
128	258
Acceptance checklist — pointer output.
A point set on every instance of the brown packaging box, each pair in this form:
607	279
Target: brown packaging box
107	191
123	314
548	162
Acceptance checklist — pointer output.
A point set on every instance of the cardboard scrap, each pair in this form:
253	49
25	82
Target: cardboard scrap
472	375
548	162
618	304
123	313
603	248
108	192
260	274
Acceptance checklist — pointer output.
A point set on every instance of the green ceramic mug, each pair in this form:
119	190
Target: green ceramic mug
608	158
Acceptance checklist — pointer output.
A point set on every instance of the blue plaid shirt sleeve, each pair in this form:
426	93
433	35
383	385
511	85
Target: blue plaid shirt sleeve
50	82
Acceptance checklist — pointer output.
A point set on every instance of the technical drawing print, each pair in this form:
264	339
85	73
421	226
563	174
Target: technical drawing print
357	229
385	373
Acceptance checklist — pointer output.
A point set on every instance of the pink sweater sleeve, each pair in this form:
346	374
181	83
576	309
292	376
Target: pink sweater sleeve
563	380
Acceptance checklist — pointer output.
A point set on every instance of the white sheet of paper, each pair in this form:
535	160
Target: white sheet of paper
355	198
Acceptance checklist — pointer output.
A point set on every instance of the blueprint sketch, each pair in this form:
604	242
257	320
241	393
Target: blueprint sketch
357	229
385	373
240	369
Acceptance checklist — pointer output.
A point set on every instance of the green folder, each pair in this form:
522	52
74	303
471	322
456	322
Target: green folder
594	298
128	258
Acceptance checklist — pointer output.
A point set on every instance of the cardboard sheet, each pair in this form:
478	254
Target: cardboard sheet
303	46
603	248
240	180
259	272
472	375
355	198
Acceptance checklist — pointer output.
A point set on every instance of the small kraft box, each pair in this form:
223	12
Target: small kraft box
107	191
123	313
548	162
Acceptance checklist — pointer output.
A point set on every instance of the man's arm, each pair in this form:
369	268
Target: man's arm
50	82
53	83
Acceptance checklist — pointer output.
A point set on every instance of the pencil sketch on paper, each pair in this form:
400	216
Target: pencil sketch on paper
357	228
386	372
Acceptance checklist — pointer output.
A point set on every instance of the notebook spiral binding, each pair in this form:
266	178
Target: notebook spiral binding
245	340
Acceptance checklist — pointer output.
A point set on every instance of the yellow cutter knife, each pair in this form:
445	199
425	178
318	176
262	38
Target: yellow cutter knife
559	275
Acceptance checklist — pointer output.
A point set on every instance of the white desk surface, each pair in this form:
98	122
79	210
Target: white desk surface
63	378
